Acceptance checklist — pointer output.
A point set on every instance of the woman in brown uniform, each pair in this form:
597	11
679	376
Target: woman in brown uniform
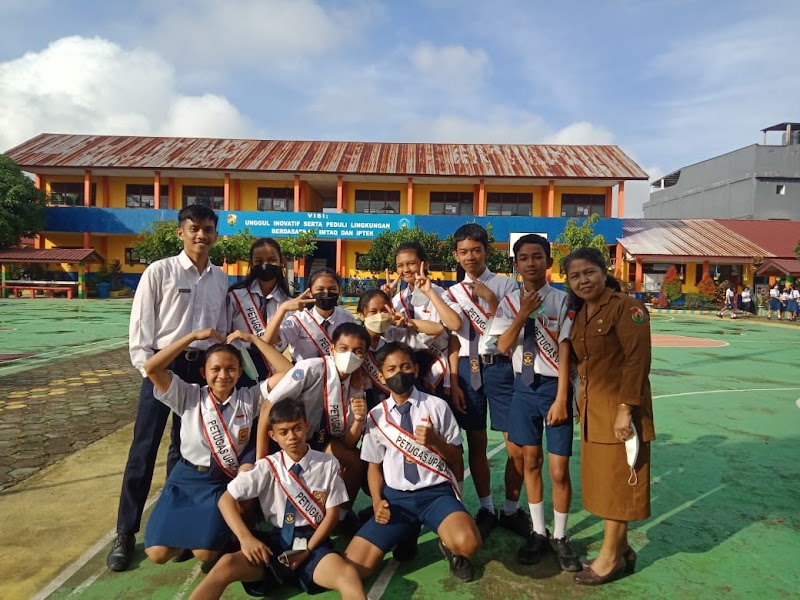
610	340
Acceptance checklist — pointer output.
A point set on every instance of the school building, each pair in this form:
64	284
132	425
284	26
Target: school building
104	190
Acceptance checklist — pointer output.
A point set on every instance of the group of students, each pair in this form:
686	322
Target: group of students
784	302
377	406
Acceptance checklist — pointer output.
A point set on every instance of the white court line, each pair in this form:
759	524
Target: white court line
797	403
82	560
189	580
786	389
58	352
45	357
382	582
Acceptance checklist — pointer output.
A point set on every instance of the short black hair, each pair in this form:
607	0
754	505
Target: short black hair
229	348
197	213
363	301
391	348
592	255
287	411
532	238
471	231
415	247
351	329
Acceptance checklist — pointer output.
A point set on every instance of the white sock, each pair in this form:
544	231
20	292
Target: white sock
559	525
486	502
510	507
342	514
537	517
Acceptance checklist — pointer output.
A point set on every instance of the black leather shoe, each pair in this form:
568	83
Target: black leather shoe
566	555
183	556
460	566
121	555
534	547
486	520
518	522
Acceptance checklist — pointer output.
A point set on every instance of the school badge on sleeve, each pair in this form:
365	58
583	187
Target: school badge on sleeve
637	314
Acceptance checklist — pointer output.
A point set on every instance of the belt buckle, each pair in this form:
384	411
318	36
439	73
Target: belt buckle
191	354
487	359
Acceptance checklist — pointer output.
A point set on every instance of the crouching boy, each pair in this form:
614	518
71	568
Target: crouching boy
300	491
413	446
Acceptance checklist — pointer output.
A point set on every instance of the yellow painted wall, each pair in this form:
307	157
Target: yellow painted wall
422	195
350	194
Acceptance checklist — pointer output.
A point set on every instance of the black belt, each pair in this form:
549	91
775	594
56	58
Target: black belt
539	378
198	468
189	355
490	359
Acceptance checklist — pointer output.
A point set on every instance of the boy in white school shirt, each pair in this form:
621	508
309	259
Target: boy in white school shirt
300	491
413	446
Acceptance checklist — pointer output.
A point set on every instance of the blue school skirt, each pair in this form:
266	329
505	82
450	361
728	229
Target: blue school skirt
791	306
186	514
774	304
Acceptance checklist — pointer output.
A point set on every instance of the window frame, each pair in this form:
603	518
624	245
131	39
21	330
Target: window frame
217	201
268	194
382	198
519	199
454	199
77	195
142	193
597	206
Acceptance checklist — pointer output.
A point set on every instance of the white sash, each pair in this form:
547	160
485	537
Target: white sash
296	491
371	369
250	312
334	402
320	338
405	443
545	342
217	436
477	316
439	367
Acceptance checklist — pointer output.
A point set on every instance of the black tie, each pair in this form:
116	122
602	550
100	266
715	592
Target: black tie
264	305
409	305
326	325
289	513
529	349
410	469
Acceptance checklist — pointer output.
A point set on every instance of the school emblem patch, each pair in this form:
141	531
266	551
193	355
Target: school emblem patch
289	518
244	435
320	497
571	315
637	314
297	374
231	220
474	366
527	358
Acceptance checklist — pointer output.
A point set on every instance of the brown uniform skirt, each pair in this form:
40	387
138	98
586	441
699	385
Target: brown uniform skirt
604	482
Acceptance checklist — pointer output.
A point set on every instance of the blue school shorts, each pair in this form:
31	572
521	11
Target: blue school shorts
493	397
304	574
529	408
429	506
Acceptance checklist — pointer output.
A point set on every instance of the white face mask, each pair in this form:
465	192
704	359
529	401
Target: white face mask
378	323
632	452
346	362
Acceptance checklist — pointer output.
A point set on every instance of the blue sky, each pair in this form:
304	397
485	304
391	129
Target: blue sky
671	81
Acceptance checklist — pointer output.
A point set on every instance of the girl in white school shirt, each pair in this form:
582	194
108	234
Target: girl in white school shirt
306	329
251	304
217	422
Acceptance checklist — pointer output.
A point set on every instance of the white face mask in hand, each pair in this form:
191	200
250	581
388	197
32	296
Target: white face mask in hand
346	362
632	452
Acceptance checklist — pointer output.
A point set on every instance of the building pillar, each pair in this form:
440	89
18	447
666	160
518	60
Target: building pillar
620	257
297	193
226	191
551	198
38	182
3	278
340	261
157	190
106	191
639	276
609	202
87	188
87	240
340	194
621	200
482	198
410	196
706	268
82	280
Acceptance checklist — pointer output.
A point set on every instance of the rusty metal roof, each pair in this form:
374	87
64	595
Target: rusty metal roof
698	239
454	160
53	255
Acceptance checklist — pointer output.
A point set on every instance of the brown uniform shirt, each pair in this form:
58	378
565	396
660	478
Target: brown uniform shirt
612	350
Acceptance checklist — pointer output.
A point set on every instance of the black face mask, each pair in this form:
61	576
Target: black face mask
326	301
266	272
401	383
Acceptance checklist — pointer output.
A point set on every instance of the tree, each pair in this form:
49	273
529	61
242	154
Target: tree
497	261
299	246
381	255
232	248
670	287
576	235
158	241
706	289
21	205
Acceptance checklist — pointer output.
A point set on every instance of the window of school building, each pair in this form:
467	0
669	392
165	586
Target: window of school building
378	201
582	205
143	196
207	195
131	258
275	199
509	204
452	203
70	194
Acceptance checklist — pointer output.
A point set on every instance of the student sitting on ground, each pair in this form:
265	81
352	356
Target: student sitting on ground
216	424
413	446
300	491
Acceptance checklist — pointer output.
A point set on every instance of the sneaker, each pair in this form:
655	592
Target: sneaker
460	567
121	555
534	547
486	520
567	557
406	549
518	522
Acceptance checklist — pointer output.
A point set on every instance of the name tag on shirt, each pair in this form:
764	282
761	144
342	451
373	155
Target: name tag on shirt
184	291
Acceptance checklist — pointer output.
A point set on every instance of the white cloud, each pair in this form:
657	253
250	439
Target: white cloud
450	67
81	85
